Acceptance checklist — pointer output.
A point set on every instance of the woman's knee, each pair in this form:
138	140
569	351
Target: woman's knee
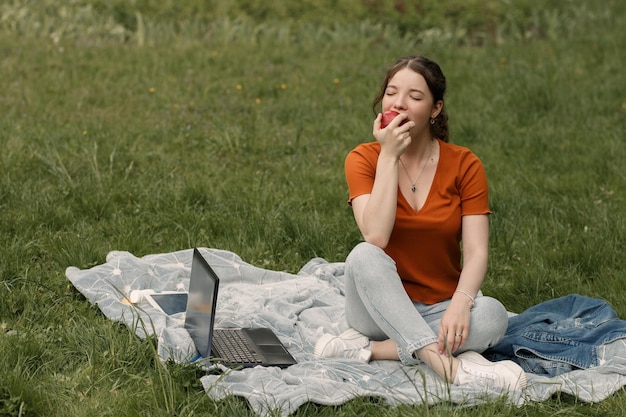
356	269
362	253
490	319
368	257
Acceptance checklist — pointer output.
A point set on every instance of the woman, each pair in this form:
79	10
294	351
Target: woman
415	198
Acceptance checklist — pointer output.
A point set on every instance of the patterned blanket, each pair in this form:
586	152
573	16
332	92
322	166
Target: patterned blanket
299	308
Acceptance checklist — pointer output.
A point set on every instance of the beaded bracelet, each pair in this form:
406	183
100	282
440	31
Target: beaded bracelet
468	296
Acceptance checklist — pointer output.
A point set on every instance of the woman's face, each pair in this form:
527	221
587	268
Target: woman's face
407	92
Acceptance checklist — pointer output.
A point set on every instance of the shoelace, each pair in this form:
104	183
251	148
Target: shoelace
482	374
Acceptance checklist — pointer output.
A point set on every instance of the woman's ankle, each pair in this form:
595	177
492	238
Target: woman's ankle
384	350
445	366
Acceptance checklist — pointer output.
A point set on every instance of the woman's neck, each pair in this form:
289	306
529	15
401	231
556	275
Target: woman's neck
420	148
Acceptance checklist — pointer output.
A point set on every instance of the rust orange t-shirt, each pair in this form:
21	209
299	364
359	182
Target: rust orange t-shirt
425	244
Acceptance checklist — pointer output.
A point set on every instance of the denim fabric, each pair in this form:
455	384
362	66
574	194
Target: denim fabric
378	306
559	335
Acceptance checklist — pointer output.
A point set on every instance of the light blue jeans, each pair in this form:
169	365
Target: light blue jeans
378	306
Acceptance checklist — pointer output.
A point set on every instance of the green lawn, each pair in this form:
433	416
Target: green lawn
153	126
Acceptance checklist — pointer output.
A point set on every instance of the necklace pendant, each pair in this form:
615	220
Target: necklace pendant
413	188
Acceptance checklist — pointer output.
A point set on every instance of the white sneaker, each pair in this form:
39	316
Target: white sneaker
349	344
504	374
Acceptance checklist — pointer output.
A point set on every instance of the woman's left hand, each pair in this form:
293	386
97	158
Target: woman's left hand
454	327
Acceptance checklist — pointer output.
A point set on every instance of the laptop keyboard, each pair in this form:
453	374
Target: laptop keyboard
232	346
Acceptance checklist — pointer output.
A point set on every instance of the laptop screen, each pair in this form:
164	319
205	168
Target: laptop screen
201	303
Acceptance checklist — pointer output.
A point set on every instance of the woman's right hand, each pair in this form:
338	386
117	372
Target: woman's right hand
393	139
375	213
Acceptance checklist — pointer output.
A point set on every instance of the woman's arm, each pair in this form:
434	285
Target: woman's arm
375	213
456	319
475	237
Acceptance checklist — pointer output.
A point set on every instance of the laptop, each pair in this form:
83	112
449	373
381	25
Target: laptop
234	347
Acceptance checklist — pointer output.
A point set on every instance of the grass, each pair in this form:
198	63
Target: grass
126	126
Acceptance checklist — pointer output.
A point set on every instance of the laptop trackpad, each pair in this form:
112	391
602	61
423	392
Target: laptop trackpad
270	347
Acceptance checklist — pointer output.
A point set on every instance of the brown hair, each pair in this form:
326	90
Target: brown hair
436	82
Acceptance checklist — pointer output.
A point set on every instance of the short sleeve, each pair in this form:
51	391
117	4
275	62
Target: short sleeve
360	170
473	186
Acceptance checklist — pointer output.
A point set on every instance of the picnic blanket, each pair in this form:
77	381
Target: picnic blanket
299	308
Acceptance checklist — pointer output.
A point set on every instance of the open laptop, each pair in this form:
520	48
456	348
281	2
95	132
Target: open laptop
245	347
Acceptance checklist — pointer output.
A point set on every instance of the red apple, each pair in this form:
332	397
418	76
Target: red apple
388	116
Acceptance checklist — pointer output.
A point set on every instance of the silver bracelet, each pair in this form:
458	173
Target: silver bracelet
468	296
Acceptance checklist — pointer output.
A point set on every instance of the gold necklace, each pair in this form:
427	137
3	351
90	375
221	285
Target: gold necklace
414	183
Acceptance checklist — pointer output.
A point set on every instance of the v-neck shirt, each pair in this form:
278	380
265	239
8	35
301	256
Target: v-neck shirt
426	243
